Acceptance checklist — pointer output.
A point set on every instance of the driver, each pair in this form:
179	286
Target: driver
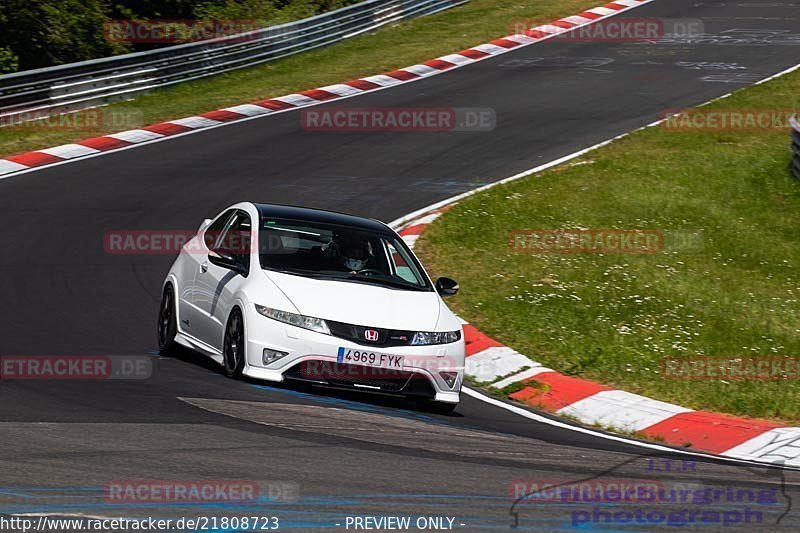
353	251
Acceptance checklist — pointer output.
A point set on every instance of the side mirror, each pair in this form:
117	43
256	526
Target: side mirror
203	225
221	259
446	286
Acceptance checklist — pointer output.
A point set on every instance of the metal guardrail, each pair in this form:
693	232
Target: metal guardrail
795	146
65	88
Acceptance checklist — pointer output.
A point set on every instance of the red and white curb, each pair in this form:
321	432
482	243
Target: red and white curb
498	366
108	143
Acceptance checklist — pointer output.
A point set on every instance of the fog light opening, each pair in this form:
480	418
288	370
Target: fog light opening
270	356
449	378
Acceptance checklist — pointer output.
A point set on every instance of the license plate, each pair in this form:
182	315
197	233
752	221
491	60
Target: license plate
367	358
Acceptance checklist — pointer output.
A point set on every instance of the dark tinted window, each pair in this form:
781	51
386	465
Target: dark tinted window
338	252
235	240
214	230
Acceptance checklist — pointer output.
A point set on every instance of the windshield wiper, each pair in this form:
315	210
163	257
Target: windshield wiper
384	281
363	278
298	272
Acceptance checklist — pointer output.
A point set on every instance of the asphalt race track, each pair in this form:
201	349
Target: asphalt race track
63	441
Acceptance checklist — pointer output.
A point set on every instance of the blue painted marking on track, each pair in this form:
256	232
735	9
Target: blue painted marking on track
17	494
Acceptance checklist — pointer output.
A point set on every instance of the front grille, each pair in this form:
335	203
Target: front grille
354	333
345	375
384	383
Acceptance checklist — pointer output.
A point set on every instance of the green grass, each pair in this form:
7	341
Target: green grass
390	48
612	317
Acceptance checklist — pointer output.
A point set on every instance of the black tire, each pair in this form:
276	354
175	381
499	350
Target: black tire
440	408
233	348
167	323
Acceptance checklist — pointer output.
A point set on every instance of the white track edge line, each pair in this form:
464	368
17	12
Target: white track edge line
588	431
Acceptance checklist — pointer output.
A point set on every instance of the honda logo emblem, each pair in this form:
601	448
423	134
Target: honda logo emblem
371	335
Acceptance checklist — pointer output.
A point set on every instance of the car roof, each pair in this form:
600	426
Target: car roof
308	214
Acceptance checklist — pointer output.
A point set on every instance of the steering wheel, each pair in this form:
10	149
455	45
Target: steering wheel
370	271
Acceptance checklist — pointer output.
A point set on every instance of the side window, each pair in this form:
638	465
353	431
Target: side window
235	239
399	265
214	231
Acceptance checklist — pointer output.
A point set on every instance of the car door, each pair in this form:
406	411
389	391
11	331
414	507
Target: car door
215	286
191	258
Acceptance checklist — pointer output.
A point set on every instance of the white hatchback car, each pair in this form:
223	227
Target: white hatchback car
289	293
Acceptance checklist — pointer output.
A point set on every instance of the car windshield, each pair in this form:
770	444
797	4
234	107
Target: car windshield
337	252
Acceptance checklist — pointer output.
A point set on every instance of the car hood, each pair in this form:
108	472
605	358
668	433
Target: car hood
359	303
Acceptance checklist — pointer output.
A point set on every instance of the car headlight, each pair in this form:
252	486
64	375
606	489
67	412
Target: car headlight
301	321
422	338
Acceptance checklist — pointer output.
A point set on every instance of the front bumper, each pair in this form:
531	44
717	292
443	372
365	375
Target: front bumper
313	358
